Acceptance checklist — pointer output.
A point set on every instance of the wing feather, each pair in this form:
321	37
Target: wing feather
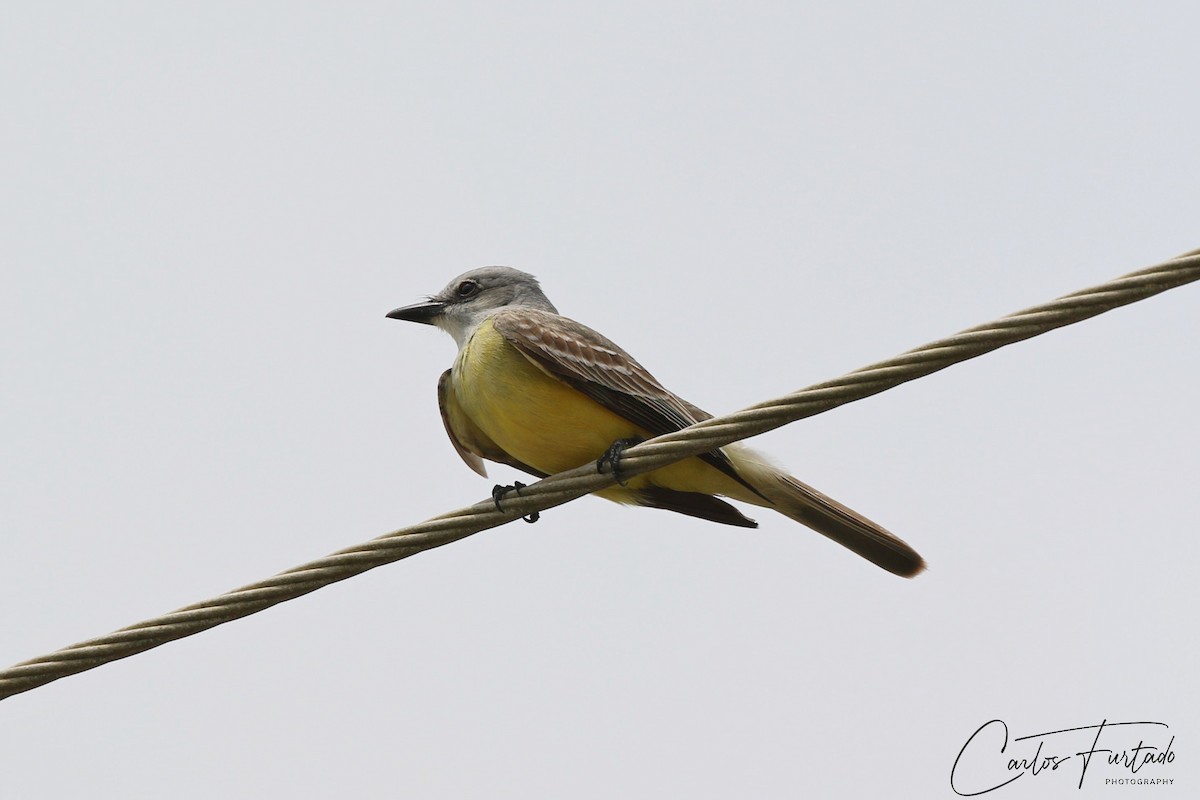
598	368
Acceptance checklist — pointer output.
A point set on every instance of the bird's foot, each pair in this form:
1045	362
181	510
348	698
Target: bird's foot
499	491
612	458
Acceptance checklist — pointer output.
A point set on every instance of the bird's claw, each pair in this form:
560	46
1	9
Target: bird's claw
612	458
499	491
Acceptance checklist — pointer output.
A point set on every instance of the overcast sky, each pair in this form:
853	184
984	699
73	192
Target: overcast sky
207	209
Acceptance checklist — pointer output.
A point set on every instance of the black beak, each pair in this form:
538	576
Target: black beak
425	312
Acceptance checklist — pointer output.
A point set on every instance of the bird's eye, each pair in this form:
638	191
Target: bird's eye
467	288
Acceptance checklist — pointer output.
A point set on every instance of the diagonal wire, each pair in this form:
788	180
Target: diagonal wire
566	486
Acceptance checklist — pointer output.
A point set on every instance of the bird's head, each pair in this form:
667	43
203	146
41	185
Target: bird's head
472	297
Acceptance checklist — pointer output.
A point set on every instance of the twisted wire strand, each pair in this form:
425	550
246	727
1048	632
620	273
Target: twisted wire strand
563	487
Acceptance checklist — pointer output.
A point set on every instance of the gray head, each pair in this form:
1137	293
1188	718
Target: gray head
472	297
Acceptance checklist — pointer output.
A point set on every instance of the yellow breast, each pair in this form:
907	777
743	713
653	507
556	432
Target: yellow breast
532	415
541	421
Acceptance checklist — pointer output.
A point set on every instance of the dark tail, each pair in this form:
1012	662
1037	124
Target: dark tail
846	527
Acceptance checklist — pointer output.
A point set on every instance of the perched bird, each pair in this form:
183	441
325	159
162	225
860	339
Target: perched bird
543	393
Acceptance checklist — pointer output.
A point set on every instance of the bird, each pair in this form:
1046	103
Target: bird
540	392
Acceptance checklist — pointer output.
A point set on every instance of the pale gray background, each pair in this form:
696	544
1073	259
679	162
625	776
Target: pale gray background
208	209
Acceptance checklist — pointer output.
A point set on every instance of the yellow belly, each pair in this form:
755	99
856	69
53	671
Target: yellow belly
543	422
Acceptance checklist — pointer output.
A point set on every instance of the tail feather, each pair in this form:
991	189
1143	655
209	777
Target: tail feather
846	527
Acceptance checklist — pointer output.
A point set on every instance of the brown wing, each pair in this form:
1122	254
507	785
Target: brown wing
598	368
694	504
468	440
